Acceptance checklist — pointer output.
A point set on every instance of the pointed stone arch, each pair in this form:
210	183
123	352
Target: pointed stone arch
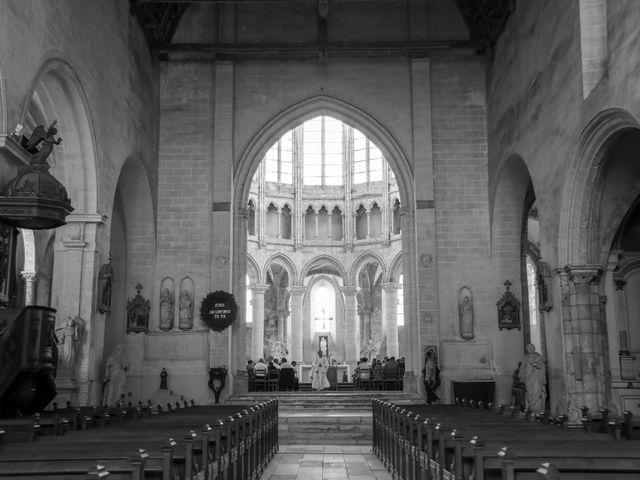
253	270
286	263
361	261
298	113
321	260
576	242
395	268
57	94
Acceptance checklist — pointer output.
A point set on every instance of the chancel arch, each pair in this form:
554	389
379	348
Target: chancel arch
322	222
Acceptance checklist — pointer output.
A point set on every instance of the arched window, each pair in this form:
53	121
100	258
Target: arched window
400	306
310	224
336	224
251	220
279	160
323	223
324	307
249	306
285	223
361	223
396	217
375	221
532	291
367	160
322	151
272	221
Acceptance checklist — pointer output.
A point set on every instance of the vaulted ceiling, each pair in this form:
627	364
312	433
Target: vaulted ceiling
484	19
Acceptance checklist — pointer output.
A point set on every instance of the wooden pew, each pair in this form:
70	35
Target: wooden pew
412	447
236	446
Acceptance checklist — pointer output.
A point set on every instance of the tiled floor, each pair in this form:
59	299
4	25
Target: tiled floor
318	462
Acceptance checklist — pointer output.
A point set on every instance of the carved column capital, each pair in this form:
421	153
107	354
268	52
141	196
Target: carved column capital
259	289
583	275
390	287
349	289
29	276
297	290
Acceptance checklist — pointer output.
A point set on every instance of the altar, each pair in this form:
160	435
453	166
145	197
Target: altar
304	373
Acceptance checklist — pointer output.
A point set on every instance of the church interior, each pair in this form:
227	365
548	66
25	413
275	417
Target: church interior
189	185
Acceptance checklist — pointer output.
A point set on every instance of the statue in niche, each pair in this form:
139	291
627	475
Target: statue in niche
186	311
533	374
465	312
105	279
69	339
166	309
138	312
114	377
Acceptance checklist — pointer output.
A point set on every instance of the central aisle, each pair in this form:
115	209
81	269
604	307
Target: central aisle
319	462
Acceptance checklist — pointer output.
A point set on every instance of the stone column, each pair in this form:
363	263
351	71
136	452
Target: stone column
583	338
390	321
73	291
351	325
30	297
281	325
297	322
257	332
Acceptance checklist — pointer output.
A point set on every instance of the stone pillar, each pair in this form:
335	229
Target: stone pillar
257	331
297	322
330	217
73	291
281	325
351	324
30	297
583	338
390	312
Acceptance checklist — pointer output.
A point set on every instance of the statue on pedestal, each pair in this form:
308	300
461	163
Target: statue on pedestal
69	338
533	375
114	376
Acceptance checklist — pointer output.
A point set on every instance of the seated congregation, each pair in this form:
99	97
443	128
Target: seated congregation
281	375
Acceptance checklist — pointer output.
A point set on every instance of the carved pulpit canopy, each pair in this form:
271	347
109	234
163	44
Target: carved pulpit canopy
34	199
138	309
508	310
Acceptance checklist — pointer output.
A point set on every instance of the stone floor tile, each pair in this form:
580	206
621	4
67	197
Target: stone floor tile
311	464
286	469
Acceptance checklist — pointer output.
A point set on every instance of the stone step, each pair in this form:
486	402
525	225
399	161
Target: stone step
342	429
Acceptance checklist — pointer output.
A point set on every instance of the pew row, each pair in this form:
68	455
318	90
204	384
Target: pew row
168	446
451	442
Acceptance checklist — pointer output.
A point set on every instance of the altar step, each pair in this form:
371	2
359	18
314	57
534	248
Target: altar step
326	401
309	428
328	417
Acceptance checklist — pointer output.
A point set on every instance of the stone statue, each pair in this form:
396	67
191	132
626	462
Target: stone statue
466	317
532	373
69	338
186	314
163	379
105	285
115	376
166	310
48	140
